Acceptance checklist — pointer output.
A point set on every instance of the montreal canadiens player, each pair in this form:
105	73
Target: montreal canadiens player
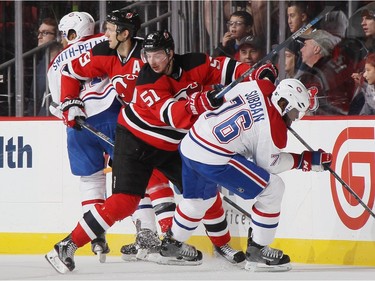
86	152
239	146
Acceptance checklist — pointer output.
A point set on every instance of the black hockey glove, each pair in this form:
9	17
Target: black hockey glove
215	102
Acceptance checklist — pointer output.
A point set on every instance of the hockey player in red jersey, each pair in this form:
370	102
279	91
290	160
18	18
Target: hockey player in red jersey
172	91
239	146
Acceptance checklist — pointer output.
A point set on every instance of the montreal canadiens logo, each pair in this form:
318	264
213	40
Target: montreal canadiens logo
356	167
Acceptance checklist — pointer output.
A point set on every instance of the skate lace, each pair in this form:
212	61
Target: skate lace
271	253
188	251
68	249
146	239
228	250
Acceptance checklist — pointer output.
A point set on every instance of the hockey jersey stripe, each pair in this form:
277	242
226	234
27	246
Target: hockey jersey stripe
166	114
99	96
134	123
92	202
259	213
265	225
216	227
182	215
208	145
144	206
87	229
229	71
184	226
247	172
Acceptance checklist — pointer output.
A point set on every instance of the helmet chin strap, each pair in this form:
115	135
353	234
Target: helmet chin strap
168	65
119	42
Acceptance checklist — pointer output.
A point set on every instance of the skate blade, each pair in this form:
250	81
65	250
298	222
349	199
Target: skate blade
53	259
237	264
102	257
129	258
99	252
261	267
174	261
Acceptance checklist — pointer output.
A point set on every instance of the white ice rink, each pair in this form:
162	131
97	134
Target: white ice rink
35	267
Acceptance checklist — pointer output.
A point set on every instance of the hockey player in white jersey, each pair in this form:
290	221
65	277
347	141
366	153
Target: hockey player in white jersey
100	109
239	146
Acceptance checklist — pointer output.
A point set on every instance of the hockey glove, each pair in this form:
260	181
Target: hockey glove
267	70
215	102
317	161
73	109
200	102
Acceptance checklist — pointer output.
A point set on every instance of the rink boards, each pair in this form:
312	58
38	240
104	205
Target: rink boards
320	221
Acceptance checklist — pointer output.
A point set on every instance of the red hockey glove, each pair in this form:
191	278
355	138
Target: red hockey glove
267	70
72	109
200	102
317	161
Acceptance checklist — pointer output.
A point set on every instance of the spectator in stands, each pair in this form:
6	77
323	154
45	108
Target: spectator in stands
47	32
366	82
251	50
361	28
239	26
336	23
368	25
316	53
291	55
297	18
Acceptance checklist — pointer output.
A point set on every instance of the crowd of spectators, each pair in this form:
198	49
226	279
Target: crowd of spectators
326	57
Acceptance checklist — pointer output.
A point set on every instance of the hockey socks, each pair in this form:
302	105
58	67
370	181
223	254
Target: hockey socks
100	218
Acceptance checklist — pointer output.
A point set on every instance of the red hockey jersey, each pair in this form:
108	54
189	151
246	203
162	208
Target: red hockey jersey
161	115
100	61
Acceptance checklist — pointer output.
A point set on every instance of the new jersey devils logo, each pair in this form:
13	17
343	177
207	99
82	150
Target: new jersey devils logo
122	84
188	91
314	103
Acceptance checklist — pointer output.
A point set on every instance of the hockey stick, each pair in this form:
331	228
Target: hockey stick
88	127
95	131
238	208
344	184
277	49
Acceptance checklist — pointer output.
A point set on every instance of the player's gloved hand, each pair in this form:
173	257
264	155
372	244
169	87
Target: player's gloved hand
200	102
267	70
215	102
73	109
317	161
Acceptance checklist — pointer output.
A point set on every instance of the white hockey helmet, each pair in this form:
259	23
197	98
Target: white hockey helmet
81	22
295	93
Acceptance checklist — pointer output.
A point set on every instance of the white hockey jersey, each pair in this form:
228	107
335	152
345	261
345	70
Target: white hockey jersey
97	93
248	125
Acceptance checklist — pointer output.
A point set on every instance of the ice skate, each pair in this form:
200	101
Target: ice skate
62	256
146	246
265	258
178	253
129	252
230	254
99	247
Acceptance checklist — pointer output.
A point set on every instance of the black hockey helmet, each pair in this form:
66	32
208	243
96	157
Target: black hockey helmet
125	19
158	40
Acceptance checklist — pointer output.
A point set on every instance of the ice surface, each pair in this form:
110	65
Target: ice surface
35	267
